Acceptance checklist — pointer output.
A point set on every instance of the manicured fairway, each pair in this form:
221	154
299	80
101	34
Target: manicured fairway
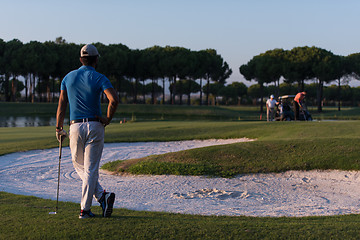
279	146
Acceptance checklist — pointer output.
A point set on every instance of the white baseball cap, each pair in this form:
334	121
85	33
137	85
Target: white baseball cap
89	50
271	96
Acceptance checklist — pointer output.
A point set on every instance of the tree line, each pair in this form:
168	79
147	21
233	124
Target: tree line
37	69
133	73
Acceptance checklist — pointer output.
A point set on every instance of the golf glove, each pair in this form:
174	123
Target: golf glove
61	135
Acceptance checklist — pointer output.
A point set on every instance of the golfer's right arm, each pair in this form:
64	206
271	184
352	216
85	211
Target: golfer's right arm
61	110
60	116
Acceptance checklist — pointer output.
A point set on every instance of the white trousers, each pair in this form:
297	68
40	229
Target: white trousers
86	145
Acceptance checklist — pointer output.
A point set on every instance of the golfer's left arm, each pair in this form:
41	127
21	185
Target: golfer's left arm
113	103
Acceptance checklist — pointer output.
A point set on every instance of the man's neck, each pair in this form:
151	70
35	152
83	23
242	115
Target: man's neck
93	66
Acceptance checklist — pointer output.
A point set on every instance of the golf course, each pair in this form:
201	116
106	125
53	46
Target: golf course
330	142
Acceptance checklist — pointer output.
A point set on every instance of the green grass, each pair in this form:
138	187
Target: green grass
27	109
23	139
141	112
280	146
346	113
26	217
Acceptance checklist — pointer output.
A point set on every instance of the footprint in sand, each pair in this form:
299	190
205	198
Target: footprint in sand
211	193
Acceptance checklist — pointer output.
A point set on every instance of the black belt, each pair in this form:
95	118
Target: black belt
84	120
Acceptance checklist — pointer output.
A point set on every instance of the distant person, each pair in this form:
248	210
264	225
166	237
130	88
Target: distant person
82	89
270	108
281	110
298	103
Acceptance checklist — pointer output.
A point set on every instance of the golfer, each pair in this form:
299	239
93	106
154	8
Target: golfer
82	89
270	108
298	103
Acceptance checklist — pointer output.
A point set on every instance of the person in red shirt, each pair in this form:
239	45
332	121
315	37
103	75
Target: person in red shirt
299	103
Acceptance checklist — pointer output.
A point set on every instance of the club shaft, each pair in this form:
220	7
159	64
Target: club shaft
58	185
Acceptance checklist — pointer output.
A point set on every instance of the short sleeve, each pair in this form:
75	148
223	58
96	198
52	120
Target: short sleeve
105	83
63	85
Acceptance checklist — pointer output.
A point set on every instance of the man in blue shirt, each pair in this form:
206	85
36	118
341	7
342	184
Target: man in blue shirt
82	89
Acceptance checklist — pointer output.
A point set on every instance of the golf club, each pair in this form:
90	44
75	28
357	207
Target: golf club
57	194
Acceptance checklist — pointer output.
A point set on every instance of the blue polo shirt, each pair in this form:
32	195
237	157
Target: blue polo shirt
84	87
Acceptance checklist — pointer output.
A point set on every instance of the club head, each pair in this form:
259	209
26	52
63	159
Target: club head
52	212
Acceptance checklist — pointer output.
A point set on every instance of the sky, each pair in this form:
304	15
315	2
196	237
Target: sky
237	29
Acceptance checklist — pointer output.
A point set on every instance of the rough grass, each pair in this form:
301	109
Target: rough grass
26	217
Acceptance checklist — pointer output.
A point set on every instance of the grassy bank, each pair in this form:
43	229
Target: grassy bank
25	217
242	158
279	147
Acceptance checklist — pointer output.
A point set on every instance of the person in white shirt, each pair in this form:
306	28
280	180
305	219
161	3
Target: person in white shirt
270	108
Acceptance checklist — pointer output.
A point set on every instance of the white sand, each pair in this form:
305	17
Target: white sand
293	193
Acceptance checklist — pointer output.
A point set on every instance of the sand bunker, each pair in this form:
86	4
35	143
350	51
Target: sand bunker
293	193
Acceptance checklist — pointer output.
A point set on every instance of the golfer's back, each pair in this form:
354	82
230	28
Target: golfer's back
84	87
